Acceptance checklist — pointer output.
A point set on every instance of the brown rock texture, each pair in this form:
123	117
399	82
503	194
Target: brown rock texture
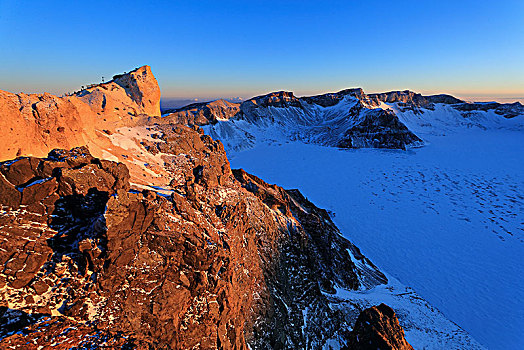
222	261
378	328
202	113
37	123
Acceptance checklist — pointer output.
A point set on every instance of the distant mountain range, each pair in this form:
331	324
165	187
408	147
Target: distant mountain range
173	102
347	119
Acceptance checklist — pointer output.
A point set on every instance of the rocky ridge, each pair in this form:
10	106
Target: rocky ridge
347	119
202	113
34	124
226	260
355	125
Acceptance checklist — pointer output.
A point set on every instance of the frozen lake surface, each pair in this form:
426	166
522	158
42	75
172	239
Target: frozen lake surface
446	219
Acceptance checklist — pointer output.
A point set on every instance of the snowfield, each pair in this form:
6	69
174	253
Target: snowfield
446	219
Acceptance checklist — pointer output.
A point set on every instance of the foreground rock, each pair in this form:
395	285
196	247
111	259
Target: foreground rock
378	328
221	261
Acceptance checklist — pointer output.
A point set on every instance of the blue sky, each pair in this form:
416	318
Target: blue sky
234	48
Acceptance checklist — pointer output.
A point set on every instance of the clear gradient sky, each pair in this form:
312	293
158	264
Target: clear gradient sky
245	48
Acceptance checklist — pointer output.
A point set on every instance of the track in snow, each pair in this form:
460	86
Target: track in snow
446	219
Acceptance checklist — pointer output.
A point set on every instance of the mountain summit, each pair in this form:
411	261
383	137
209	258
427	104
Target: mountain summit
34	124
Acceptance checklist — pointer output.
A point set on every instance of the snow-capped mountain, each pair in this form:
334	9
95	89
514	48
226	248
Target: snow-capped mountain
346	119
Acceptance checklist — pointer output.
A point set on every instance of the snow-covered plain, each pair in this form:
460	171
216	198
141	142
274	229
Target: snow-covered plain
446	219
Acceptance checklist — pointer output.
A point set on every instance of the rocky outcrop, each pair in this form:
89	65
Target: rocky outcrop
218	259
404	99
378	328
379	129
443	98
37	123
202	113
141	86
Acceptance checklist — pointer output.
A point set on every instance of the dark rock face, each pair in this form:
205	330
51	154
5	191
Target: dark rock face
313	259
225	261
507	110
378	328
443	98
202	113
379	129
275	99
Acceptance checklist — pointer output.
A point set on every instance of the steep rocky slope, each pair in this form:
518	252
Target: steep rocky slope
224	261
202	113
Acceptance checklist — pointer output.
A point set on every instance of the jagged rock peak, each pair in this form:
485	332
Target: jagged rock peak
141	85
37	123
202	113
378	328
274	99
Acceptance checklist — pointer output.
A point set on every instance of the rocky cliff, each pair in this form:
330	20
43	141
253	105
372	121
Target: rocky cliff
202	113
409	100
223	261
37	123
378	328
